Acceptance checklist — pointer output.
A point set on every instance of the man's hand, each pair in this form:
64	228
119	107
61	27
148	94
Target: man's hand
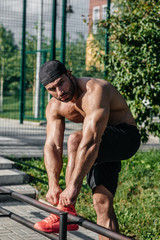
68	196
53	195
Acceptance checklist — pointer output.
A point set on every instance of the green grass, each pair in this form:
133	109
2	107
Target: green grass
11	106
137	198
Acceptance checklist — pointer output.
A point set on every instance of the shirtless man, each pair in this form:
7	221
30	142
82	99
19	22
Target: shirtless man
109	135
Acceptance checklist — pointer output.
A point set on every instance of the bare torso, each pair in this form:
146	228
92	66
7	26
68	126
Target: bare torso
95	103
75	111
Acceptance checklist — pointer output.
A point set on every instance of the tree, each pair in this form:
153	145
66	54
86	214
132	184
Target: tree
76	57
75	53
134	60
8	63
30	64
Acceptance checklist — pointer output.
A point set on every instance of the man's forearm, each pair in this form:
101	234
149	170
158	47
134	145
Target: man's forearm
84	161
53	163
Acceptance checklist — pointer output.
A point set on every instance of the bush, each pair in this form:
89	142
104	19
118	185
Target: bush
134	60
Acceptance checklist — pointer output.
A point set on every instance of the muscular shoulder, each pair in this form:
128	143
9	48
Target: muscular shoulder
96	85
53	109
97	95
97	89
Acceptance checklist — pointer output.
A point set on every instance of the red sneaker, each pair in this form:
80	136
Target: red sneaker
51	223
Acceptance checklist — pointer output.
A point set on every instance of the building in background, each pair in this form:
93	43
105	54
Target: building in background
97	12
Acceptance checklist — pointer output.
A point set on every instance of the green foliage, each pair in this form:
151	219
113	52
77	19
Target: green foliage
11	104
75	53
134	60
31	57
136	200
9	56
75	58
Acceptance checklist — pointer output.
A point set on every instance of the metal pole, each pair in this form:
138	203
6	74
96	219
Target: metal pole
22	77
107	35
30	201
96	228
63	226
71	218
63	38
26	223
53	43
38	63
42	89
2	82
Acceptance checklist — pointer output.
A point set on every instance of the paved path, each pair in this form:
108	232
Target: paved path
27	140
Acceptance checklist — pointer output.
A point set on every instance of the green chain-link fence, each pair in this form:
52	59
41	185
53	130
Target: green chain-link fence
32	32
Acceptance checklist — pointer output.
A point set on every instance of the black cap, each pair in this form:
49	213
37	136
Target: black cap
50	71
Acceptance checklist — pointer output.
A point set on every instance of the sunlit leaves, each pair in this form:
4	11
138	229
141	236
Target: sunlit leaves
134	60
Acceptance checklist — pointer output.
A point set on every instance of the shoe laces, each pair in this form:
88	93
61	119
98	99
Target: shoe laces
51	218
67	209
72	208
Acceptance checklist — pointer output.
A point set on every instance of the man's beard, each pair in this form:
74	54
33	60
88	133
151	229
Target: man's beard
69	94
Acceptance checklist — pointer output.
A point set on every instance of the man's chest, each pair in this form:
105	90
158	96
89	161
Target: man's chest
73	113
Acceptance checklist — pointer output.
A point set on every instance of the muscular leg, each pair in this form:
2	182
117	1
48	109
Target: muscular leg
73	143
103	204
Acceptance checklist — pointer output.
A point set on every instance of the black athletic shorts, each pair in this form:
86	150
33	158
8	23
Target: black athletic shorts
118	143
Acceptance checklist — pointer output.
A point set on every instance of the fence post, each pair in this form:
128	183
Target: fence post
38	60
22	77
43	89
53	43
63	39
107	35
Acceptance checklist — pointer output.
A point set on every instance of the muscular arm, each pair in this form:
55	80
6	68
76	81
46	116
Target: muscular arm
53	153
97	114
94	126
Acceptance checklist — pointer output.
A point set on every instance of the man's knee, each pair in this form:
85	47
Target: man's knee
74	140
103	201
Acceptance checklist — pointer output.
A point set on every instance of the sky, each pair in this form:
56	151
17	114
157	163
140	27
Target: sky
11	17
